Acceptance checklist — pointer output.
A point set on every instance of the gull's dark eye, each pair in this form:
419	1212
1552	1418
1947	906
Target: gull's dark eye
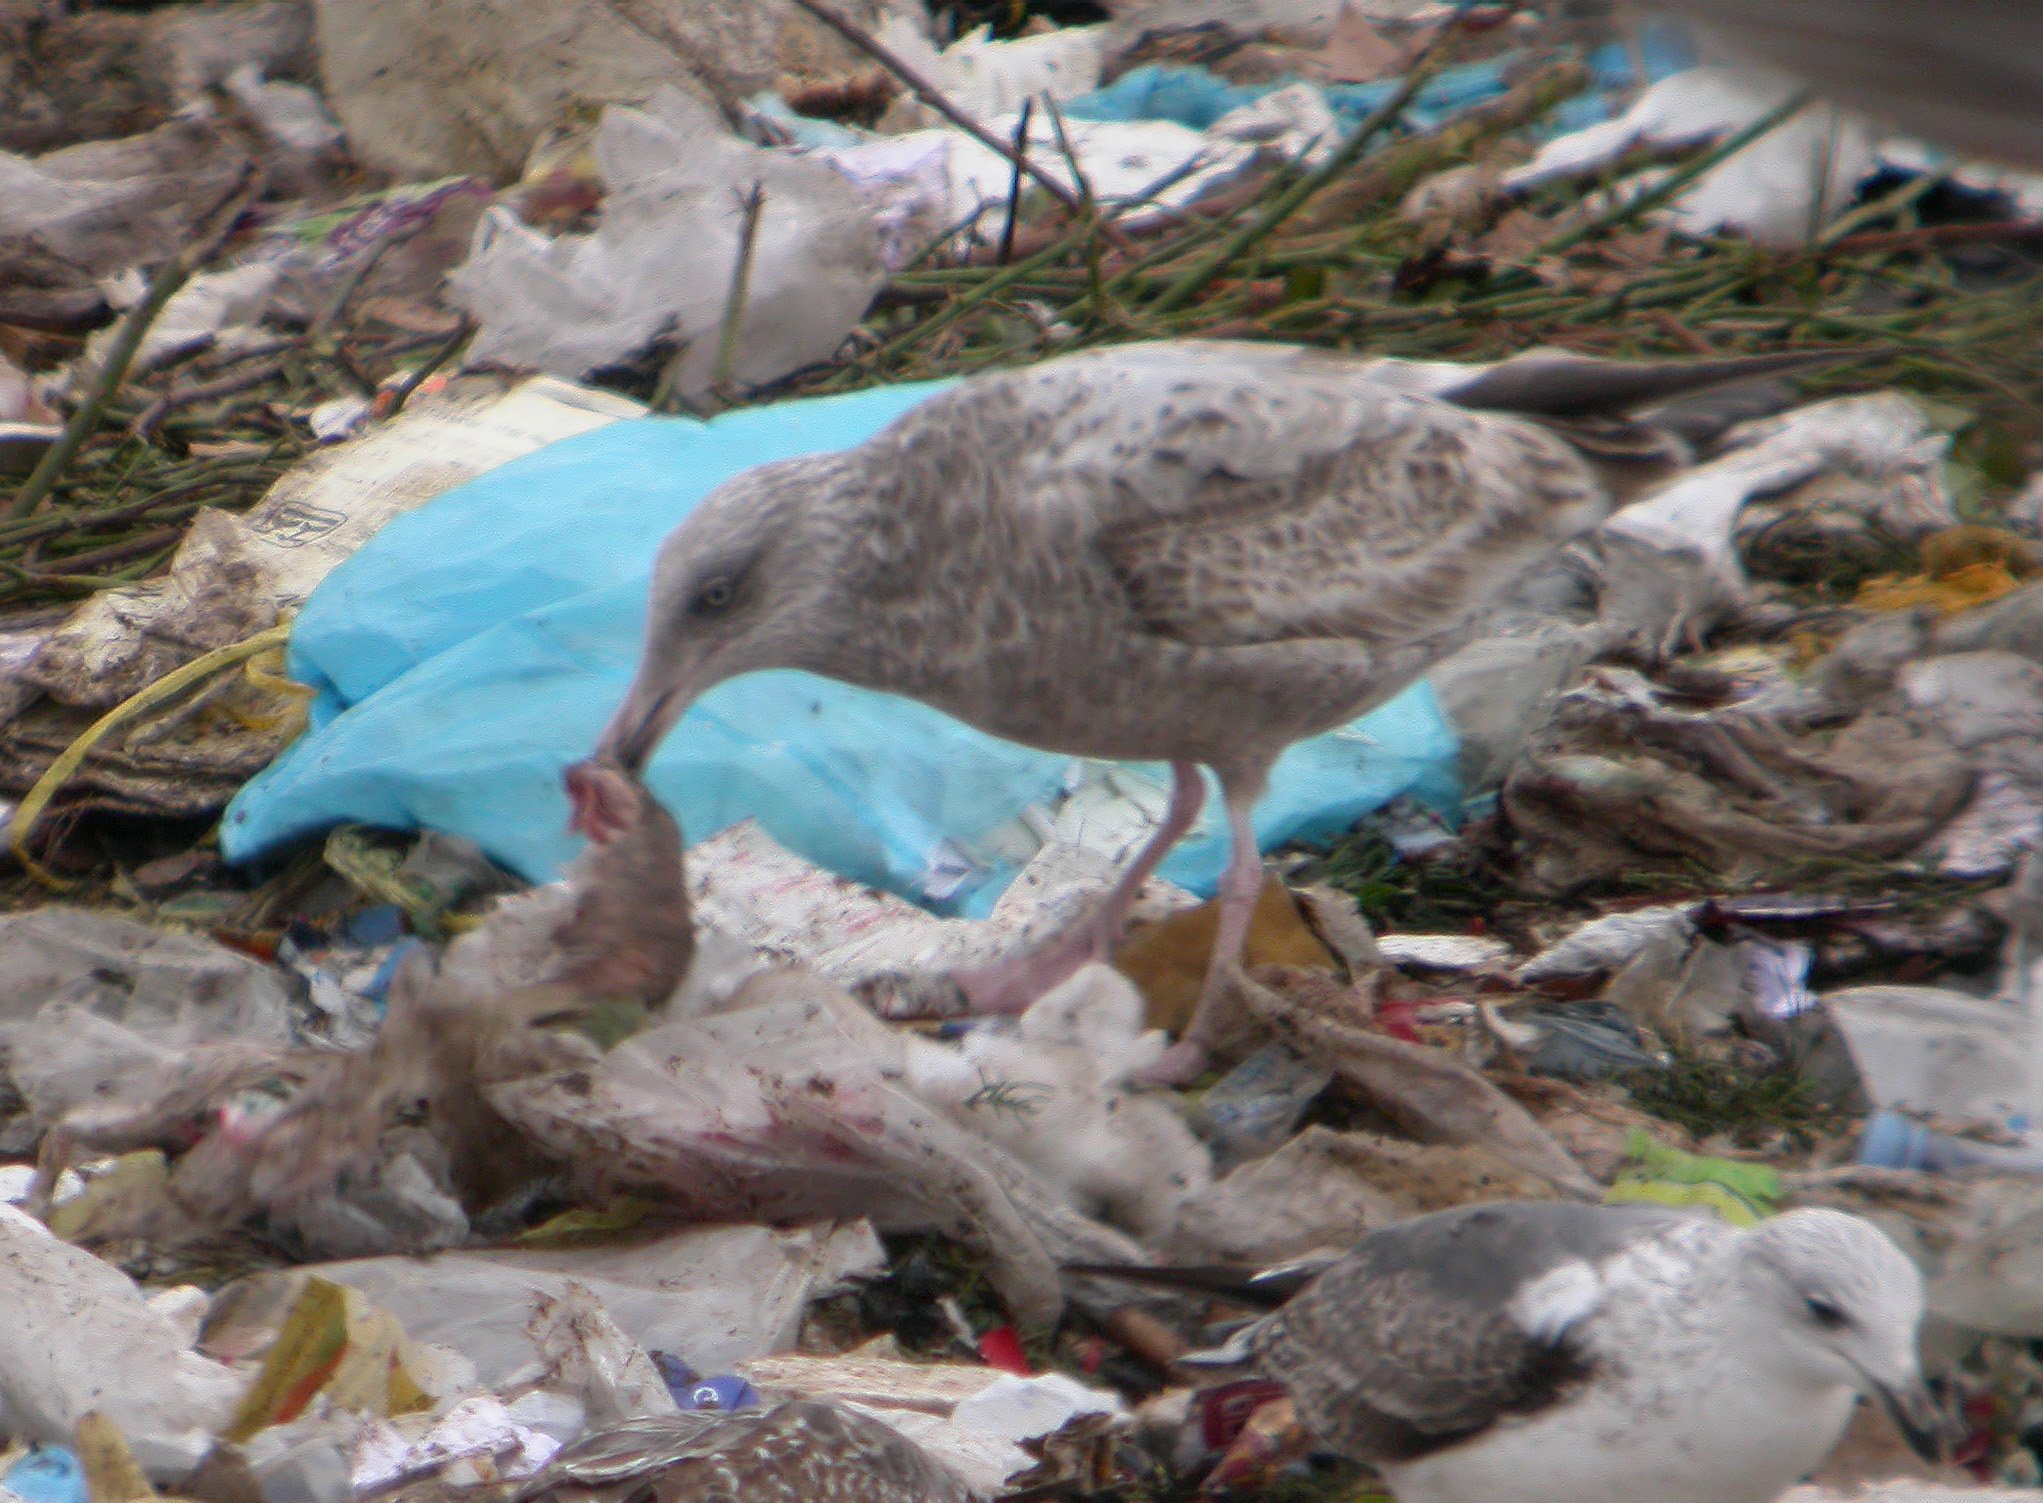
712	598
1827	1315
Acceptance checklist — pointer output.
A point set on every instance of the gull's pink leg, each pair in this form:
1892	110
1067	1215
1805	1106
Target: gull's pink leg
1240	885
1010	985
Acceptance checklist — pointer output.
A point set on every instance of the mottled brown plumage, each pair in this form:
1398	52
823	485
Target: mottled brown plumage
798	1452
1193	552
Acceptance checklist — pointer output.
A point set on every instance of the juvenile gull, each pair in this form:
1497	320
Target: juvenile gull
1550	1352
1186	552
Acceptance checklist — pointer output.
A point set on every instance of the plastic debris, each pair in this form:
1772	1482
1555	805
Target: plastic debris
987	78
47	1474
1778	190
427	89
94	1003
1741	1193
1924	1049
1252	1110
711	1296
567	306
1608	944
82	1339
106	206
213	310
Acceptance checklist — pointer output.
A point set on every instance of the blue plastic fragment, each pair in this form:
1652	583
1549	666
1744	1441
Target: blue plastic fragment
692	1392
1197	97
376	926
47	1474
378	989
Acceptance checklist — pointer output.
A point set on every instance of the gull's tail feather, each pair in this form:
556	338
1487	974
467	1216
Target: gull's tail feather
1255	1288
1560	385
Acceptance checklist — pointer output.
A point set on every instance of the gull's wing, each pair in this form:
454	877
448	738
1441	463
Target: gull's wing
1292	504
1433	1330
1245	493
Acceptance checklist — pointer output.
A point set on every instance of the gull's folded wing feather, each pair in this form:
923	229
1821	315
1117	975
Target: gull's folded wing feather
796	1452
1424	1337
1386	525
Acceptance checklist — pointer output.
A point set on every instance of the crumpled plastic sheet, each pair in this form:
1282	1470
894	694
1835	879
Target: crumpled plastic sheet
89	1000
986	77
1778	189
1880	437
217	310
788	1108
79	1336
476	646
573	304
710	1295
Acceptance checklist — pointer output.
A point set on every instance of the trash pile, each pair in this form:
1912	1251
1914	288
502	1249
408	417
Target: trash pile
364	1134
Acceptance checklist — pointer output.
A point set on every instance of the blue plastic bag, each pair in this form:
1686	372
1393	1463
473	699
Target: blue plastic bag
1194	96
478	645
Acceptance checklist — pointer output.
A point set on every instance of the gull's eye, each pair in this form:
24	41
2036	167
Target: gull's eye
712	598
1827	1315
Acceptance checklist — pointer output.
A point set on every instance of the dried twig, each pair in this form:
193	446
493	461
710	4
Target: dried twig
150	417
402	392
750	205
1935	236
1021	145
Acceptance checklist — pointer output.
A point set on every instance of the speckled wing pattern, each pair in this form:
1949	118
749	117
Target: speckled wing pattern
797	1452
1408	1345
1257	496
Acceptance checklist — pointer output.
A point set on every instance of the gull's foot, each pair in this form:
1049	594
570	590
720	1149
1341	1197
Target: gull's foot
1009	987
1006	988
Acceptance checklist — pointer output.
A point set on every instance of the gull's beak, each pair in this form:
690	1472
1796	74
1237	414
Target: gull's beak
640	725
1917	1416
654	702
671	677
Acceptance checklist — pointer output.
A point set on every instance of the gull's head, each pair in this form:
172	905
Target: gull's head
737	587
1842	1304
